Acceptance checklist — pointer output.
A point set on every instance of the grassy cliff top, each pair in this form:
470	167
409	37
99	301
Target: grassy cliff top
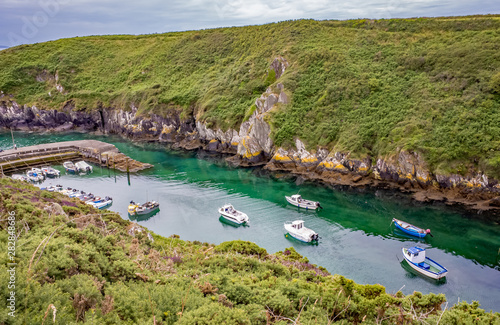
77	264
367	86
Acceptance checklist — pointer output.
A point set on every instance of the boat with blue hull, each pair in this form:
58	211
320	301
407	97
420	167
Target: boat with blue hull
410	229
415	256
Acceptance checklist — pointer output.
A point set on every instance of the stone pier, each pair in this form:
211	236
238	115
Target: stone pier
102	153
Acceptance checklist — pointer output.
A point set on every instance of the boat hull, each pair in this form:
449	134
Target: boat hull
146	211
442	271
299	238
409	228
304	236
308	205
232	219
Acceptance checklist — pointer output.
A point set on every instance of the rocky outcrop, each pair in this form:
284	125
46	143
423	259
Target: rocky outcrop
252	145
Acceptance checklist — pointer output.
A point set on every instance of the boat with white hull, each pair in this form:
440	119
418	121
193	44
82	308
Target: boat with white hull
415	256
50	172
101	203
70	167
229	213
297	230
142	209
298	201
83	167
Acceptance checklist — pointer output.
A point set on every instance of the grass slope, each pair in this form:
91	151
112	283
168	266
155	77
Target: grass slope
367	86
76	264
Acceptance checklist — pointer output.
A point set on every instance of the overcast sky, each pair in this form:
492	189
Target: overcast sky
32	21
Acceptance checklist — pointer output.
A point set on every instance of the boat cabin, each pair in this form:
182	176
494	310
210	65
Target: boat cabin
416	255
296	198
298	224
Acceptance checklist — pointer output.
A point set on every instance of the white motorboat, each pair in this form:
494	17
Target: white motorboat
297	230
298	201
66	191
53	188
70	167
415	256
50	172
72	192
101	203
34	177
229	213
38	171
83	167
78	194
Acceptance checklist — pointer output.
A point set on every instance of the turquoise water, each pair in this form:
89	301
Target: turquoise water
357	238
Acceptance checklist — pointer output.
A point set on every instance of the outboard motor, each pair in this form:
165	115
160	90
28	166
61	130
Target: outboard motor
319	205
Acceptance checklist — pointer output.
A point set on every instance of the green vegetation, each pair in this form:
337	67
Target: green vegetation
79	265
430	85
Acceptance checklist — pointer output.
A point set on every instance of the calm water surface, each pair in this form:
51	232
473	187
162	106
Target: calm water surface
357	239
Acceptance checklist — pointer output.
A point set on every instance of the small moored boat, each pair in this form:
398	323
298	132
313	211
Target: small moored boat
411	229
70	167
83	167
38	171
142	209
50	172
297	230
298	201
34	176
415	256
54	188
101	203
229	213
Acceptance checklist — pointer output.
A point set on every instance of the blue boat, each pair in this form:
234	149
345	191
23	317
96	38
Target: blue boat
415	256
411	229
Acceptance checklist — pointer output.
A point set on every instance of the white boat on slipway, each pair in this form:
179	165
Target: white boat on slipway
229	213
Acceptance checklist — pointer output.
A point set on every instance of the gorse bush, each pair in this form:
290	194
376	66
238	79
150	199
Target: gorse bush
95	269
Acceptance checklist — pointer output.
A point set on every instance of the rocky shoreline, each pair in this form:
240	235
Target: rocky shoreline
252	145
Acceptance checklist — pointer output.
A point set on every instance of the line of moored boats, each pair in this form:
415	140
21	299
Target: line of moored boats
295	229
78	167
414	256
36	175
89	198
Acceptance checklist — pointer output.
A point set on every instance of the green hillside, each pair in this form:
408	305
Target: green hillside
367	86
75	264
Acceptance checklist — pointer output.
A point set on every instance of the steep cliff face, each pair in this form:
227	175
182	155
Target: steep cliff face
252	145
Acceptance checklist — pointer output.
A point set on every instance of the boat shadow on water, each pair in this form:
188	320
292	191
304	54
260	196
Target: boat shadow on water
143	217
226	222
412	274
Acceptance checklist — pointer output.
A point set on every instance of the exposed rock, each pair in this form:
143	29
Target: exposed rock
252	144
279	66
495	202
134	229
